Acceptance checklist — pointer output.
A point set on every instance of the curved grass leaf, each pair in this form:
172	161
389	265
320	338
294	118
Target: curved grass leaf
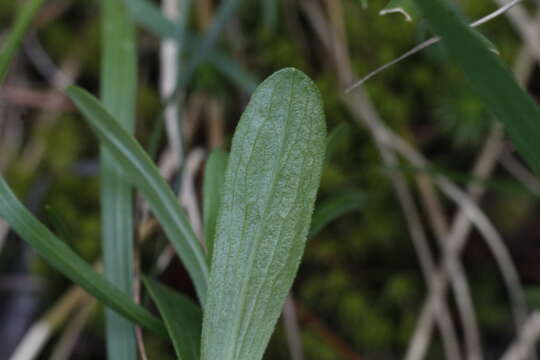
487	75
65	260
148	15
118	91
22	22
336	137
136	166
214	176
270	187
334	207
182	317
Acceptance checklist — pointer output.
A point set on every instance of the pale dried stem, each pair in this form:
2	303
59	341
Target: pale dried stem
42	329
169	57
525	343
292	329
358	108
65	345
505	8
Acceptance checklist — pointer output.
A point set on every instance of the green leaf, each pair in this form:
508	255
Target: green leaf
13	41
334	207
118	91
57	223
65	260
336	137
136	166
487	75
406	8
183	319
214	176
270	187
150	17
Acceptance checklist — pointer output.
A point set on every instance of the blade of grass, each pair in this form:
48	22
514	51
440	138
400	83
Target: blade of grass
487	75
334	207
137	167
150	17
118	91
336	137
22	22
182	317
270	187
71	265
214	175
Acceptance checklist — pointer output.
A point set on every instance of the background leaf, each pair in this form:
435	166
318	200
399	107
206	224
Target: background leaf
214	177
332	208
22	22
65	260
487	75
270	187
182	317
118	92
137	167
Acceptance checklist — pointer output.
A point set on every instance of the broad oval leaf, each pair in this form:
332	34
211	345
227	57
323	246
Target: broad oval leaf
270	187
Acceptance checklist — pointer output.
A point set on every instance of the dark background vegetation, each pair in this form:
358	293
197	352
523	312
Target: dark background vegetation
359	289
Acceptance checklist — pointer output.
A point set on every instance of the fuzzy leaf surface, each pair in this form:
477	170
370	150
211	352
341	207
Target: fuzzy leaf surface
270	187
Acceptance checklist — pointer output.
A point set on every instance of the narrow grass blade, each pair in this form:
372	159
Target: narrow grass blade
65	260
487	75
22	22
150	17
270	187
118	91
182	317
224	13
214	177
335	138
136	166
334	207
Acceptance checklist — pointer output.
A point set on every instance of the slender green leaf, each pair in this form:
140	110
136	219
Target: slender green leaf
57	223
65	260
270	10
334	207
336	137
118	91
487	75
214	176
150	17
270	187
182	317
136	166
224	13
22	22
